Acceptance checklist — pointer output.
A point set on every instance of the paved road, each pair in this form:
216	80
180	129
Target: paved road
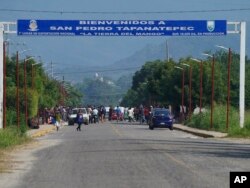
130	156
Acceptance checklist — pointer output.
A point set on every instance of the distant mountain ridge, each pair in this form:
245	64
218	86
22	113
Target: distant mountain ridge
178	47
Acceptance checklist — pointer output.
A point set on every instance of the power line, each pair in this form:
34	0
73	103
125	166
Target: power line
124	12
97	71
104	95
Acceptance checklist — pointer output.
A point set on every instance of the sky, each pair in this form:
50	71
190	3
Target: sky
106	50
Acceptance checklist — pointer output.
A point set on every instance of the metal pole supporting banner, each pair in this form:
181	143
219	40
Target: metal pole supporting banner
228	86
242	72
1	74
25	94
212	94
201	87
182	94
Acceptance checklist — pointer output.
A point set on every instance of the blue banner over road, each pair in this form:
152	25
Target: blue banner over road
122	27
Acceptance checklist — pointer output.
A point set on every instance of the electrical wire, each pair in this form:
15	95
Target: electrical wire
104	95
97	71
125	12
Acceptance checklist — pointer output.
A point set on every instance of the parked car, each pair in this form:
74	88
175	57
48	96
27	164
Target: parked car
85	115
73	115
162	118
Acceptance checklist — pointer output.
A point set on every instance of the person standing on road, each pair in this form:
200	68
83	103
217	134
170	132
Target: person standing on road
118	113
141	114
58	120
79	119
95	115
146	114
110	113
130	114
102	113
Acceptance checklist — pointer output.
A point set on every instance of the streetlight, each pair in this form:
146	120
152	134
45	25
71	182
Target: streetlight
182	90
212	94
190	89
201	75
228	80
25	91
17	86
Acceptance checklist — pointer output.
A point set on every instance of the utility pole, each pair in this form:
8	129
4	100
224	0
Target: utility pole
242	72
1	74
167	51
17	90
51	67
4	84
63	91
5	27
228	85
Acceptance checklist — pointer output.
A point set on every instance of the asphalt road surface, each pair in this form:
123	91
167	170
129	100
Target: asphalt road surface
123	155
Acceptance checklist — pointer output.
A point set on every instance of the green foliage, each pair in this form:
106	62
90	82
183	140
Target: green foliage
33	103
11	97
100	91
247	89
202	121
11	136
23	129
45	92
130	98
158	82
242	132
11	117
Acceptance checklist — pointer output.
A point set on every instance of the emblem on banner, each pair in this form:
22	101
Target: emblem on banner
33	25
210	26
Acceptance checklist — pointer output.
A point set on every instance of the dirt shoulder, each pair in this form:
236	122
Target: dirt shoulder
19	160
8	159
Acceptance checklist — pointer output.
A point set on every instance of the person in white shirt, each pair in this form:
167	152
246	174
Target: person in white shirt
130	114
95	115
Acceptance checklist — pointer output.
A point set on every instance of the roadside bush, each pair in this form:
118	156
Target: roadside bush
11	117
247	120
241	132
23	129
11	136
202	121
33	103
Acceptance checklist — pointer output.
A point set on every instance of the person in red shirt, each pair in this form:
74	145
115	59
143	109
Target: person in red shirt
146	114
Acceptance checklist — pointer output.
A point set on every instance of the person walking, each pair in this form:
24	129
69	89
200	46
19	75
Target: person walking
110	113
141	114
95	115
79	118
118	113
58	120
130	114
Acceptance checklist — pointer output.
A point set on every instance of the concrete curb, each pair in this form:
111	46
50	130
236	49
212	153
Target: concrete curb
42	132
198	132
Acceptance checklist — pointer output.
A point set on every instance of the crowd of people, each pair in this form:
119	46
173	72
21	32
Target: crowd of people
58	114
131	114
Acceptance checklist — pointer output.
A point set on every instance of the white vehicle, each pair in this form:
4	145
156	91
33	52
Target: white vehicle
73	115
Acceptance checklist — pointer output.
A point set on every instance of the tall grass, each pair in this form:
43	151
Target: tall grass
12	136
242	132
202	121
